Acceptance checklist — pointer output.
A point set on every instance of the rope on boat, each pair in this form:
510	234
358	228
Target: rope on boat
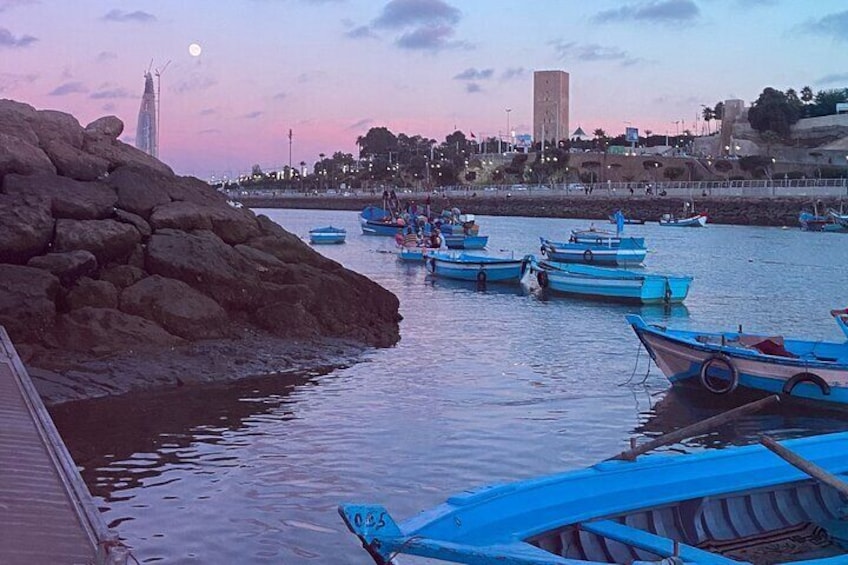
636	366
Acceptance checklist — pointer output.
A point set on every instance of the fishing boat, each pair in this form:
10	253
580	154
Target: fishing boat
464	233
773	502
327	234
472	267
690	219
416	254
841	317
596	247
377	221
611	284
722	362
839	218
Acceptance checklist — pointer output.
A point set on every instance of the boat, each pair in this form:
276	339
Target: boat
841	317
691	219
596	247
377	221
722	362
613	284
472	267
416	254
838	217
772	502
462	241
810	221
327	234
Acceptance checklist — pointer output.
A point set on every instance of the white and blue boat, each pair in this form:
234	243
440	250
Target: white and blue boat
377	221
480	268
597	247
462	241
611	284
416	254
722	362
741	505
328	234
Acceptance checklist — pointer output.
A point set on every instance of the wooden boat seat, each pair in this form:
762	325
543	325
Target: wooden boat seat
647	541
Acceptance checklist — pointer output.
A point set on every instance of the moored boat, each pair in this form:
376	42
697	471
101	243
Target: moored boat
473	267
722	362
377	221
612	284
327	234
596	247
694	221
778	502
462	241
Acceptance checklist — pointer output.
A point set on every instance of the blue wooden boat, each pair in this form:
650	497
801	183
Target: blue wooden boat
377	221
722	362
327	234
743	505
841	319
612	284
481	268
694	221
414	254
603	248
810	221
462	241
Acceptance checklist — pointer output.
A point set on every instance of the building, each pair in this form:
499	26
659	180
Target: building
146	137
550	106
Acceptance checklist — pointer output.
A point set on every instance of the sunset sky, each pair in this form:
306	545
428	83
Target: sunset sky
331	69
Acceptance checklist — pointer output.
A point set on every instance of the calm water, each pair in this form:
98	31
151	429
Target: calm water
483	387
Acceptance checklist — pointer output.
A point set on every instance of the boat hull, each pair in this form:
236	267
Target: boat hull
376	221
327	235
612	284
718	507
628	251
720	364
479	268
698	221
414	254
461	241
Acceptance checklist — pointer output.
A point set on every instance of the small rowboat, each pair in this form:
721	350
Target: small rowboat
327	234
722	362
598	248
611	284
756	504
462	241
696	221
481	268
376	221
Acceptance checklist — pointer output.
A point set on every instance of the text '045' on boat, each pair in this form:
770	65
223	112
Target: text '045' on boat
756	504
722	362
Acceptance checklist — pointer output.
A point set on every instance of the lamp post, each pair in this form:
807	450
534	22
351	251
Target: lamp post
508	110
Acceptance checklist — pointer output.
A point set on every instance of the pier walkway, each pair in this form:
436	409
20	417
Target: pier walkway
46	512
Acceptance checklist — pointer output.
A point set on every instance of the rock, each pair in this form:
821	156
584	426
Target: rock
103	331
118	154
26	229
185	216
122	276
175	306
73	162
15	120
134	220
108	240
27	302
19	156
138	191
108	126
68	266
68	198
90	292
54	126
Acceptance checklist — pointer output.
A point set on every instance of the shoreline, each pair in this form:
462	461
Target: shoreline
728	210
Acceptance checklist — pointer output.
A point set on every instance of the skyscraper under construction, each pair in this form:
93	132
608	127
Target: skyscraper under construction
146	137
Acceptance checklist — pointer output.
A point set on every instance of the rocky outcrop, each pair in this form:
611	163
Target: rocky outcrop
105	251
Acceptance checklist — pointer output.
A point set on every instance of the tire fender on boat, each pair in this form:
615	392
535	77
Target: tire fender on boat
588	256
710	386
481	276
542	279
805	377
543	250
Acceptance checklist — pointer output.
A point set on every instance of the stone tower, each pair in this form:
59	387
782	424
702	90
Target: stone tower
550	105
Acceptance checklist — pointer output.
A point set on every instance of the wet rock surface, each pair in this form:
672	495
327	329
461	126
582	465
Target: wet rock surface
118	275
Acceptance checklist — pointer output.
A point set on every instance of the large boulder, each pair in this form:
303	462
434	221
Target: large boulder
175	306
107	127
26	228
68	266
231	225
134	220
73	162
68	198
118	154
27	301
139	190
106	330
108	240
90	292
15	118
54	126
19	156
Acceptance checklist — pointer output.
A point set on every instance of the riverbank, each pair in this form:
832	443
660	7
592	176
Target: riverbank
741	211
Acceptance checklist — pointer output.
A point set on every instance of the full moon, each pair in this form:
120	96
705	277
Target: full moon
194	49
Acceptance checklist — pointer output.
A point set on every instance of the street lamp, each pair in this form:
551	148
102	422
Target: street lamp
508	110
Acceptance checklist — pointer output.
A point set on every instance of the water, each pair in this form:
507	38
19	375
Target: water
484	387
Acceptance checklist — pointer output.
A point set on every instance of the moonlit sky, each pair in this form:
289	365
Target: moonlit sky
331	69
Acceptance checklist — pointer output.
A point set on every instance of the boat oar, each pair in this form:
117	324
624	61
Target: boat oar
697	428
808	467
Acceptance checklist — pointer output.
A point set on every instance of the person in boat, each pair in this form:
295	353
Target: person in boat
410	238
386	202
435	239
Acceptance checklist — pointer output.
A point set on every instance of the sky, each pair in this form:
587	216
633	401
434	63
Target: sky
328	70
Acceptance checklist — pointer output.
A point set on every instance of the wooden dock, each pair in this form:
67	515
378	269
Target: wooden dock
46	512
